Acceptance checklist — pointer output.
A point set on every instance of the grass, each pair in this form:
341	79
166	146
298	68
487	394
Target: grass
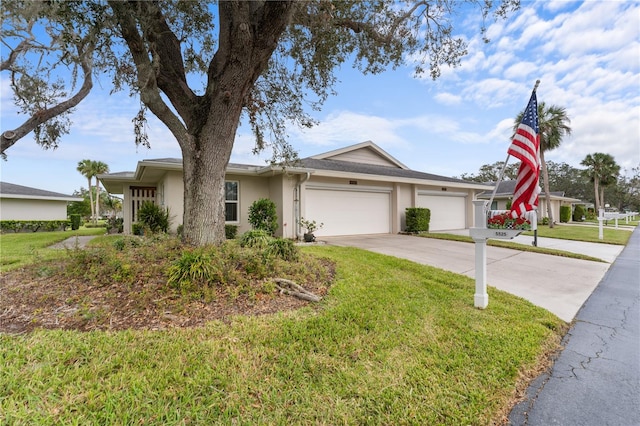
394	342
17	250
512	245
584	233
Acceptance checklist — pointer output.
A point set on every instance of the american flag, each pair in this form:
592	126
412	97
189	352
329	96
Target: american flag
526	147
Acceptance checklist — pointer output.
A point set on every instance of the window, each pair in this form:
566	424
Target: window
231	201
494	205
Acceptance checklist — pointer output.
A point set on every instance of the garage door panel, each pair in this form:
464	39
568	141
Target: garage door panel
348	212
447	212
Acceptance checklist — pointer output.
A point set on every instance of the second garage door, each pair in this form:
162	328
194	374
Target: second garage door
447	212
347	212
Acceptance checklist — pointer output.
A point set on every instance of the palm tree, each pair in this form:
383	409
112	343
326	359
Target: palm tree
554	125
85	167
98	168
603	171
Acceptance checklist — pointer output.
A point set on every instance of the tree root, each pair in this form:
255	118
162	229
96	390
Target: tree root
289	287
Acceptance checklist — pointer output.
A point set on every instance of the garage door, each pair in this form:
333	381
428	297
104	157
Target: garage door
348	212
447	212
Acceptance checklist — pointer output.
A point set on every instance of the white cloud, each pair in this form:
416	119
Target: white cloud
448	98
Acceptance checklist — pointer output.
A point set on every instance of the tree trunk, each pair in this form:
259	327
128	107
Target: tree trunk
93	207
97	200
545	180
595	186
205	157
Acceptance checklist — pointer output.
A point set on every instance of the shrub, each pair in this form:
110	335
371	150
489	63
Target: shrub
565	214
283	249
230	231
579	213
194	269
76	221
418	219
543	221
262	215
154	217
256	238
33	225
509	204
137	228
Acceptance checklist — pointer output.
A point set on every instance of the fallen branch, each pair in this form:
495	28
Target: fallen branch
291	288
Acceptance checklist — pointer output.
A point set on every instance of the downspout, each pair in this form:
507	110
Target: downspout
297	206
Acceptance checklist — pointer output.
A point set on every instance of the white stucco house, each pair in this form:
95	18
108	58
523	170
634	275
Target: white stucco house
506	188
19	202
359	189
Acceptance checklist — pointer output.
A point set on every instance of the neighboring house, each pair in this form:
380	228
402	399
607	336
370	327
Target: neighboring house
504	193
360	189
19	202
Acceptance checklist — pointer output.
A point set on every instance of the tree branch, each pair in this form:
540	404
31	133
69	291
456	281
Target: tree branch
146	71
10	137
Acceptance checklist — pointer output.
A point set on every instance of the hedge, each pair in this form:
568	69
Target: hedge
418	219
565	214
34	225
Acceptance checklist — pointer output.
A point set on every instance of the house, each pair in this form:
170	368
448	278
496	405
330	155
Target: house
19	202
504	194
359	189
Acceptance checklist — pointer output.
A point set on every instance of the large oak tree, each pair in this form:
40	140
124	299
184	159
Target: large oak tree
202	67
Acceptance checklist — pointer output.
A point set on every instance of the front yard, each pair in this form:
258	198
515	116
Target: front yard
392	342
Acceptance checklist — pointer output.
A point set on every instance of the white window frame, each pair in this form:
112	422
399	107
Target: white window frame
237	202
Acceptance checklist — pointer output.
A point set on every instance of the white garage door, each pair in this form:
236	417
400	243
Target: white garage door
348	212
447	212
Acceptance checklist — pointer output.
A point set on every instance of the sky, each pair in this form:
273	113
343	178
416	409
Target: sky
585	54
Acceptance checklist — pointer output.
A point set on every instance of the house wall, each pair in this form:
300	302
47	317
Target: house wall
25	209
555	207
281	192
250	189
171	194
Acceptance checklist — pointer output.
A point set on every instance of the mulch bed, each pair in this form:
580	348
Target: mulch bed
41	297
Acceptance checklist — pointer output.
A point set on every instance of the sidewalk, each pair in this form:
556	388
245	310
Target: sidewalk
596	378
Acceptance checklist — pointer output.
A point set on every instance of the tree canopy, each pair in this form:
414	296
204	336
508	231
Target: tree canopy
201	67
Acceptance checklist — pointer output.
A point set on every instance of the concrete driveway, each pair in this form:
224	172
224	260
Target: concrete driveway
560	285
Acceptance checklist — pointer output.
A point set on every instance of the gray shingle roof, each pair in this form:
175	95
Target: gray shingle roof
371	169
7	188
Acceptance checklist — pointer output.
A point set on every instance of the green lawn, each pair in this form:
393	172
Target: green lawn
19	249
393	343
510	245
584	233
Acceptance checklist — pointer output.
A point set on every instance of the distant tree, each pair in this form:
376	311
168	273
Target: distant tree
83	208
99	168
201	66
603	171
491	173
85	167
113	204
554	126
569	180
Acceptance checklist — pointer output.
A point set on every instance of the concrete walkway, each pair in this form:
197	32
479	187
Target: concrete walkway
79	241
560	285
596	379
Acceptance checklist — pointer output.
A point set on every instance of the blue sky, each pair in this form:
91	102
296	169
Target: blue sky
586	54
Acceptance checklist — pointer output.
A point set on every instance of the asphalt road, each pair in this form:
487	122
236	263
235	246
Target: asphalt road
596	379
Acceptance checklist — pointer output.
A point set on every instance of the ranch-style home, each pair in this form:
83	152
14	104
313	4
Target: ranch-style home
19	202
504	194
359	189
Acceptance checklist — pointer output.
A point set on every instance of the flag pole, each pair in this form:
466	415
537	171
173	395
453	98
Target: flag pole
495	189
504	166
535	231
